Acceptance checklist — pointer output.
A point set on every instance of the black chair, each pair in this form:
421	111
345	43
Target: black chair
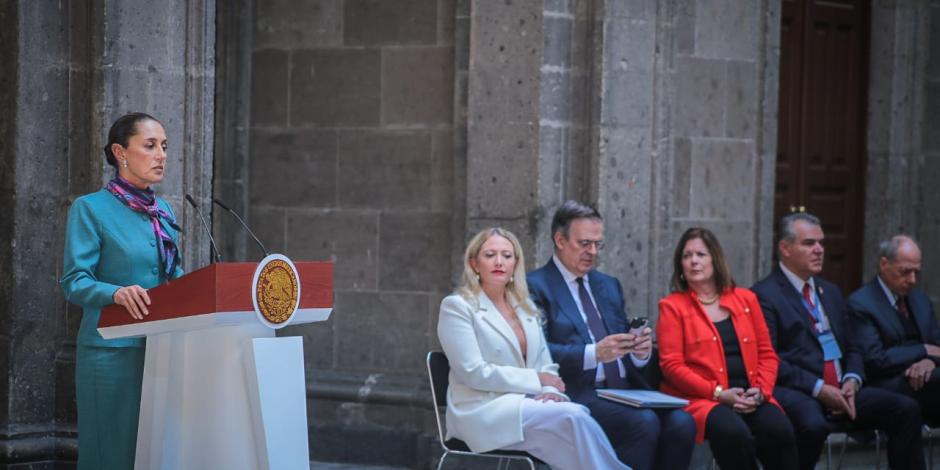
438	372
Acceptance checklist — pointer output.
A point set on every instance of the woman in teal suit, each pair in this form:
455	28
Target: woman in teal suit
119	242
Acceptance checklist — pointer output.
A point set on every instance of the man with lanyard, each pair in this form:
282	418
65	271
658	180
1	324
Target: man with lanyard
821	369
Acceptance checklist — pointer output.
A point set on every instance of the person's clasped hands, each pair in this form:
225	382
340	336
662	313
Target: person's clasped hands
741	400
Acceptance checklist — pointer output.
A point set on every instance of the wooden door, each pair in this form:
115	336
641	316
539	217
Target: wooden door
821	128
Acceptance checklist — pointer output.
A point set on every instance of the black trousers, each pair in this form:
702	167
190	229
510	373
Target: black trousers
738	441
928	397
644	439
895	414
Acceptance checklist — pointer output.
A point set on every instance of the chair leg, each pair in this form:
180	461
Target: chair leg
440	463
877	450
845	443
929	447
829	451
929	450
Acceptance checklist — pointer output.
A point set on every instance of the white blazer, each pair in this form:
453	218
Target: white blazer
488	377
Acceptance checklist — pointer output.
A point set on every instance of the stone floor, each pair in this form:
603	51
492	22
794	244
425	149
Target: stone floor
856	457
348	466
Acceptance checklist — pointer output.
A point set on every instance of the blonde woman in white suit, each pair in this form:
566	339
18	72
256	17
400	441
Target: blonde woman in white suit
504	391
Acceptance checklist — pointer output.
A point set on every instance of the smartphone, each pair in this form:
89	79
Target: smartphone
637	324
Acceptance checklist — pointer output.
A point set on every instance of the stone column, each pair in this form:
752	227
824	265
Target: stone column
35	185
503	117
897	64
623	147
232	121
70	69
685	135
164	64
929	203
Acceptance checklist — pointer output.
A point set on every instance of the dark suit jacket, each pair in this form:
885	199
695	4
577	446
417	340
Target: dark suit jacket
880	333
567	333
794	335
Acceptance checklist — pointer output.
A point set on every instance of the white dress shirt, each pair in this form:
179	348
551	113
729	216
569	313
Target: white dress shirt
798	285
590	359
892	297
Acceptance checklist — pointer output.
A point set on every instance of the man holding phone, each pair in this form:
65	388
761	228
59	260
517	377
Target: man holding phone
595	347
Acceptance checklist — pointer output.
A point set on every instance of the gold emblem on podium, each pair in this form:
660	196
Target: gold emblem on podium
276	290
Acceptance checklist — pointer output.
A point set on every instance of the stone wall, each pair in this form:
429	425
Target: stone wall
70	68
9	34
351	160
902	145
684	135
37	393
380	135
928	200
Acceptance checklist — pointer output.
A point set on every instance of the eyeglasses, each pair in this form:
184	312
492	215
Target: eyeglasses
598	244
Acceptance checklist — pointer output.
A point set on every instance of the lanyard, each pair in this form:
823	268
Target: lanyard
822	325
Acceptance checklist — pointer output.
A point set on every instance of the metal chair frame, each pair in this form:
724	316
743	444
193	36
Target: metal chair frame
845	427
437	361
927	432
928	429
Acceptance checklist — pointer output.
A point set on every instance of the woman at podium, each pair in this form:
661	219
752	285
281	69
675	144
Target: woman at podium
504	390
119	242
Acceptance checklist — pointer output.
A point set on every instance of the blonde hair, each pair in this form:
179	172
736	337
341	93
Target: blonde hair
517	289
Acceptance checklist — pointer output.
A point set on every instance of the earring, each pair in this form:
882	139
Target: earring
124	162
478	277
682	276
512	279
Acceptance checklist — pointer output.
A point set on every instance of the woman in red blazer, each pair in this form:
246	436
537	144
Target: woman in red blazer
716	352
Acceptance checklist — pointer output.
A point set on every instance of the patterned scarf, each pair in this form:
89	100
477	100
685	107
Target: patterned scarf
145	201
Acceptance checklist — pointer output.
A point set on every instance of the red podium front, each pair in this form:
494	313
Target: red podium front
219	389
218	294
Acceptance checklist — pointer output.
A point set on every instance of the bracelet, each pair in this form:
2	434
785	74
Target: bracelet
718	390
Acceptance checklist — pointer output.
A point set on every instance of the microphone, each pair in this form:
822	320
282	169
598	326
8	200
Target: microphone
247	229
214	249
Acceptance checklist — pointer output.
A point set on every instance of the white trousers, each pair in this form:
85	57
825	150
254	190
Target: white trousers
565	436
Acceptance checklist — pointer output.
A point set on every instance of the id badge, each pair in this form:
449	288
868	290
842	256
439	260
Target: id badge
830	347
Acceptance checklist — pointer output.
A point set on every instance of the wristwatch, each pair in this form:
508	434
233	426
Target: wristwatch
718	390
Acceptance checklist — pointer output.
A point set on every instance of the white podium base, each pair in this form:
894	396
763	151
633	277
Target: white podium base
225	398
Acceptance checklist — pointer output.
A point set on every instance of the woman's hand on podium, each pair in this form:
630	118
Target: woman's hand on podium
134	299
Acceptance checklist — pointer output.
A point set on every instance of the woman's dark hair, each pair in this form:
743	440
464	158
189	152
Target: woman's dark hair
722	276
121	132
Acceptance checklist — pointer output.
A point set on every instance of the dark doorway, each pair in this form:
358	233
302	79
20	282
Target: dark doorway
821	134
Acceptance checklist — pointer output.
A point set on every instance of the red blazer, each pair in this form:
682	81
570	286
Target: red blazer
692	357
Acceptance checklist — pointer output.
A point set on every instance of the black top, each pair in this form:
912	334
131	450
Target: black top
737	374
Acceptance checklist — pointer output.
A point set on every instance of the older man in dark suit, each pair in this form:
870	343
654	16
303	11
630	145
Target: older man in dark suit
821	371
896	328
587	334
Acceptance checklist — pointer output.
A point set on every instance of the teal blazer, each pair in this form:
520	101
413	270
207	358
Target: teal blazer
109	246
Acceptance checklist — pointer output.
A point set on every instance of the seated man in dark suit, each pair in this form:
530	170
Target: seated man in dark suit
821	371
896	328
586	329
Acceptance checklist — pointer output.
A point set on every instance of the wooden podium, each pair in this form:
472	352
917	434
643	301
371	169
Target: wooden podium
220	391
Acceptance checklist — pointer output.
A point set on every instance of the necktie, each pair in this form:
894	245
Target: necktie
829	368
611	371
901	305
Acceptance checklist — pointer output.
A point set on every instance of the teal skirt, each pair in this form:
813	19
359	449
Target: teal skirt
107	386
